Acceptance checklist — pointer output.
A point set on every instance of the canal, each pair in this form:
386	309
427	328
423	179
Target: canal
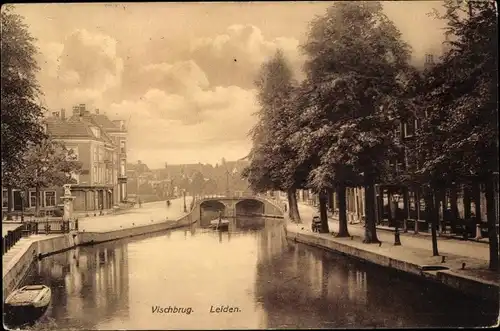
252	270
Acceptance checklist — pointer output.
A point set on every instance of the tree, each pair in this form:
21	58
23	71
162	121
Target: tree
197	183
356	59
49	163
21	112
313	140
272	160
459	96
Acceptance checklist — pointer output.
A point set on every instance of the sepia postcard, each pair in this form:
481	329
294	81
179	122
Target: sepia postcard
250	165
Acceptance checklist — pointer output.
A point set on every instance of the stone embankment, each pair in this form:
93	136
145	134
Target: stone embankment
467	277
17	261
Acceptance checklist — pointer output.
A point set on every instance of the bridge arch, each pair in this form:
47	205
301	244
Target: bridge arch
249	207
209	210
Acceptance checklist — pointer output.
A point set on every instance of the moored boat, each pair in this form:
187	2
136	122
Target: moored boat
27	304
219	224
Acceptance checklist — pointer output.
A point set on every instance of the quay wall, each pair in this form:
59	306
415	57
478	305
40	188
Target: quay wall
468	285
16	269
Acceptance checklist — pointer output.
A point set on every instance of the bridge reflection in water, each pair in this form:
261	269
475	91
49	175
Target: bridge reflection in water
275	283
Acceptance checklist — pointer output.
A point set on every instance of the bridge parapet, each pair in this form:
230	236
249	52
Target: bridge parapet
270	207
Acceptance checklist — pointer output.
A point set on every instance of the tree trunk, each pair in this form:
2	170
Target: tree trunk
323	201
293	208
433	202
37	203
10	202
406	203
341	197
477	201
454	215
370	226
330	199
491	219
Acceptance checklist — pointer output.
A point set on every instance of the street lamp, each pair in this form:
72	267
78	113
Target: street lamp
227	183
395	198
22	193
184	196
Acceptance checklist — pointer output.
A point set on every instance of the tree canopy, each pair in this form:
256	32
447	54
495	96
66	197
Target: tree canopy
21	111
460	131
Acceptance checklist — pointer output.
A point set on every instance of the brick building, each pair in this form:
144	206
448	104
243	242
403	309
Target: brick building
100	145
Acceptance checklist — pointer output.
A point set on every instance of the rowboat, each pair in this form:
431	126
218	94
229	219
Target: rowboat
219	224
27	304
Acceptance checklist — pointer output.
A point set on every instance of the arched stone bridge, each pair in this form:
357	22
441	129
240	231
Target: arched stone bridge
208	207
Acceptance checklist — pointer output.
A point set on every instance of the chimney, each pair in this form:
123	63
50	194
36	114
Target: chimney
81	107
63	114
55	114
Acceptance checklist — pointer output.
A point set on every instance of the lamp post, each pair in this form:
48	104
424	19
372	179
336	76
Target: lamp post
184	196
395	198
22	193
227	183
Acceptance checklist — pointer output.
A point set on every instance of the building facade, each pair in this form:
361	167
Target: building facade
99	144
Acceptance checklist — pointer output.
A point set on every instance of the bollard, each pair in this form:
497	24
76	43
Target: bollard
405	225
478	232
416	227
397	239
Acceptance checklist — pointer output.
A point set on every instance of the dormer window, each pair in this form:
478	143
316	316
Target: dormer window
409	128
96	132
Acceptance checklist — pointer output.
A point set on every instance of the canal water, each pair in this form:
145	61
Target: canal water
191	278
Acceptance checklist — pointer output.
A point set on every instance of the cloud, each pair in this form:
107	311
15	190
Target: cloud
81	69
162	121
181	77
234	57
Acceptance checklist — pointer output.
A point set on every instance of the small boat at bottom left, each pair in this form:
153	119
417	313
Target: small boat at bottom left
27	304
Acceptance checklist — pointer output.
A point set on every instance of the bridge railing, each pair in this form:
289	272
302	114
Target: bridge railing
276	201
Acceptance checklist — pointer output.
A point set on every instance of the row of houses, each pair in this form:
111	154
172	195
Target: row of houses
100	145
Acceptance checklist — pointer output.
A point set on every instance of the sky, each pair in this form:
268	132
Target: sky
181	74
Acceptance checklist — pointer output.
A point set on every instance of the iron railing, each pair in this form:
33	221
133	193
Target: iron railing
37	226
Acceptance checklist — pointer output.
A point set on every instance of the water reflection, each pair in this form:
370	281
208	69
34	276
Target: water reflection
312	288
275	283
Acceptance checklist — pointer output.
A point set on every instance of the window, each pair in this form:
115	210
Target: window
409	129
122	146
96	154
5	199
95	179
397	131
429	58
101	175
101	154
32	201
50	198
122	167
